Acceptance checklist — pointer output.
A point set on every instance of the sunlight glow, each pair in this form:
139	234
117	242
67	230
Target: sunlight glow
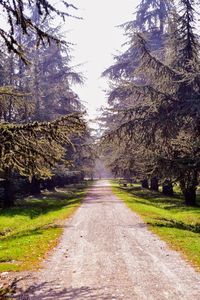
97	39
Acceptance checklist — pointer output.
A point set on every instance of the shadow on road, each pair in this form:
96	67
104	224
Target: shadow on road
101	194
51	290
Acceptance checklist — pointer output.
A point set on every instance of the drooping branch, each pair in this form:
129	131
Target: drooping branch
16	14
27	147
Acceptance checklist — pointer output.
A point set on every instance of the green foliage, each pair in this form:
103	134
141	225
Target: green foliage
31	149
15	105
152	14
160	99
15	12
41	116
44	87
152	18
128	74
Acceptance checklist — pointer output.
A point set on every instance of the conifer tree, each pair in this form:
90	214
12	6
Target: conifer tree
16	14
165	107
49	76
33	149
28	148
151	21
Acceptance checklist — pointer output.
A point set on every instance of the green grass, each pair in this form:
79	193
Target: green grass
32	228
168	217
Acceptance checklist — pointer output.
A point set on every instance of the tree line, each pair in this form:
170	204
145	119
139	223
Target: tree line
44	140
153	113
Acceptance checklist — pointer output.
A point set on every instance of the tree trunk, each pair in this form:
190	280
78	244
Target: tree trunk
161	16
188	185
9	193
145	183
154	184
35	187
190	196
167	188
50	185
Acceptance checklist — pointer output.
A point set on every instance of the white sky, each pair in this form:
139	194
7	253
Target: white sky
97	39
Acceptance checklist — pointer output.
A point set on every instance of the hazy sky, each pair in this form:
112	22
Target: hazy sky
97	39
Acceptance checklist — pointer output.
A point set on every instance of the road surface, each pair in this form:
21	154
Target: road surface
107	253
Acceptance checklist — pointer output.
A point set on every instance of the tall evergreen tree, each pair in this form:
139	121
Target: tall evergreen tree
33	149
16	14
165	110
152	19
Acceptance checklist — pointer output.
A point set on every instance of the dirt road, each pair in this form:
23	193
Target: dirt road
107	253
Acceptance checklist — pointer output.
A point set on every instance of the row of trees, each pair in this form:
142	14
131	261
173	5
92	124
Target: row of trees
43	134
154	112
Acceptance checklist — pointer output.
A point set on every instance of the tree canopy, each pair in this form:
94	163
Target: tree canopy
16	13
157	99
42	119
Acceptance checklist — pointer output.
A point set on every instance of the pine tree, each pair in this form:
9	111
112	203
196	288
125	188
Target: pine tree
52	76
152	18
16	15
165	110
28	148
151	21
33	149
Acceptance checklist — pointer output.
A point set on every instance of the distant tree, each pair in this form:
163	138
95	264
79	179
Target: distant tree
152	14
49	77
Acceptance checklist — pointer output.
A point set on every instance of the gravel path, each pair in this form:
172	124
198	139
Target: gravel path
107	253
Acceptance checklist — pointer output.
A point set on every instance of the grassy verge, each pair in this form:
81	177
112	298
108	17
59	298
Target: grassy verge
32	228
168	217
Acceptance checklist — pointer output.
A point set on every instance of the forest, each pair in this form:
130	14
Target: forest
153	113
44	137
101	208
